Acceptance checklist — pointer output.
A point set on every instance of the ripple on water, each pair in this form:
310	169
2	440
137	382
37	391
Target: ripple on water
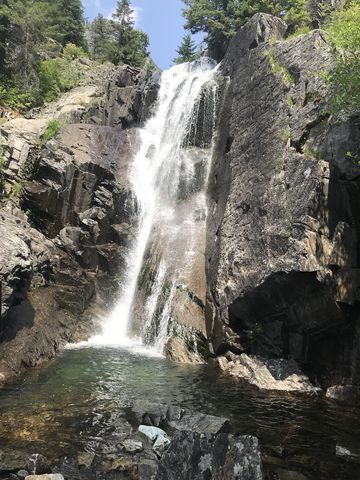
78	401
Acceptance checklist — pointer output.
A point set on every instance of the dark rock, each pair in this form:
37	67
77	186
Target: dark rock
282	266
38	465
12	461
201	423
347	394
203	456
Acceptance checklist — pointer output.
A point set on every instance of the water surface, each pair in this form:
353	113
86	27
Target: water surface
78	402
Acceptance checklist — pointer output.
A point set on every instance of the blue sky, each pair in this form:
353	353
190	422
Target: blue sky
160	19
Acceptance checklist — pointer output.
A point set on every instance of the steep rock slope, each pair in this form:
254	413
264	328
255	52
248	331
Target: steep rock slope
282	247
62	253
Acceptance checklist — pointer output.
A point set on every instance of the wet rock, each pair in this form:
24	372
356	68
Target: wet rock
125	464
203	456
201	423
347	455
85	459
147	469
37	464
22	473
155	414
347	394
12	461
132	446
279	374
161	444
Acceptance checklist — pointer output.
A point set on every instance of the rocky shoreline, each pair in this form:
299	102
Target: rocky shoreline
161	443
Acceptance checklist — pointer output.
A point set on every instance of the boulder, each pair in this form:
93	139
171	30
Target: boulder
280	374
203	456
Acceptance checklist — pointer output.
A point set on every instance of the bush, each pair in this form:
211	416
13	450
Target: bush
344	36
71	52
52	130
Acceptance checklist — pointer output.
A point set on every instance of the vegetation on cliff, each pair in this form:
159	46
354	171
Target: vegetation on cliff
344	35
39	41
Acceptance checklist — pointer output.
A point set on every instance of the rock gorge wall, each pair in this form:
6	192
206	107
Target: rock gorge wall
67	213
283	230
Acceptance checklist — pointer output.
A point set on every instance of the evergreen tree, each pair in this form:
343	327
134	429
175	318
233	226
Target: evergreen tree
220	19
67	23
187	50
100	36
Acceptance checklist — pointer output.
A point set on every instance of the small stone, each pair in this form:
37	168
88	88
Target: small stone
85	459
50	476
161	444
151	432
346	454
38	465
124	464
22	474
132	446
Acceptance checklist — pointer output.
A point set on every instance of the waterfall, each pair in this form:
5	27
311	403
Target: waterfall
168	175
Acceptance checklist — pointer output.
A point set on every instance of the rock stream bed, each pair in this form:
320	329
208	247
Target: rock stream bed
82	403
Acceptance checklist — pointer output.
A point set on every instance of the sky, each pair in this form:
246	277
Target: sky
160	19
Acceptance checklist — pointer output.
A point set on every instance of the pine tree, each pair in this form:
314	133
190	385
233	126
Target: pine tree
187	50
100	36
67	23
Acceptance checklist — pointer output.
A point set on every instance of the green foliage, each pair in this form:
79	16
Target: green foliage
220	19
187	50
71	52
16	190
52	130
344	80
278	69
117	40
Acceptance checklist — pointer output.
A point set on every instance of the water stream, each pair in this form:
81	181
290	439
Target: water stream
168	175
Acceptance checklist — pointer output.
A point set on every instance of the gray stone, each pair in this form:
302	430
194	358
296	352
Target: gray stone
201	423
161	444
203	456
132	446
50	476
151	432
280	374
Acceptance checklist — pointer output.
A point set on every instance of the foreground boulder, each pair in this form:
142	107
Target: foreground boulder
204	457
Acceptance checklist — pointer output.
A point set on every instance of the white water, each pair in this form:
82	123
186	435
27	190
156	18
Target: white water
160	164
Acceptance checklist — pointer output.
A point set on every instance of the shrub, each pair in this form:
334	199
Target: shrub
344	36
71	52
52	130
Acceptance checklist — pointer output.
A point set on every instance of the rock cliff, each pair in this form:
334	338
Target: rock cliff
283	230
67	211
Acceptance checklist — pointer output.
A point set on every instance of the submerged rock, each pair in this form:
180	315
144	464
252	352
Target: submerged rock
280	374
347	394
50	476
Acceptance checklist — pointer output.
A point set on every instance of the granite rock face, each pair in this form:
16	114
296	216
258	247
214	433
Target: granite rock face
282	261
67	213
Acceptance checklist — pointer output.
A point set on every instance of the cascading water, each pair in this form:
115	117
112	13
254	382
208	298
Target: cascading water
169	176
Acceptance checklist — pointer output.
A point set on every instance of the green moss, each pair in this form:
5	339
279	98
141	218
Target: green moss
280	70
311	153
298	32
290	101
286	133
52	130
